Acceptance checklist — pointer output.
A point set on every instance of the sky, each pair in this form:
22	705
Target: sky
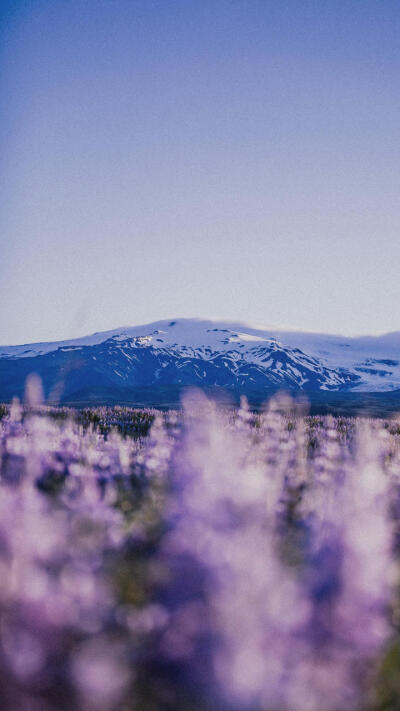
232	159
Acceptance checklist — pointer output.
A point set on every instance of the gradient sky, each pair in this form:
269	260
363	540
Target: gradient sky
236	159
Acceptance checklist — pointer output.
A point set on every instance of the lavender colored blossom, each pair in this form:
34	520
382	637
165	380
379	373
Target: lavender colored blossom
197	560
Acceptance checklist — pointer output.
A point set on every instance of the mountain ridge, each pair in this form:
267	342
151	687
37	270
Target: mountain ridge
252	327
232	356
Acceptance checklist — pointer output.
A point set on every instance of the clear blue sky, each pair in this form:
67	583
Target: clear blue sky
237	159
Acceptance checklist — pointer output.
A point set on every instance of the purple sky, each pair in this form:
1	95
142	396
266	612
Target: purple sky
233	159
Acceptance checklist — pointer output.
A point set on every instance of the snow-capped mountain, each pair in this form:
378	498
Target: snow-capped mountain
233	356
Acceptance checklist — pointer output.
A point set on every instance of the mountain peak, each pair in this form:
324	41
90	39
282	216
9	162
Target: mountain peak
180	352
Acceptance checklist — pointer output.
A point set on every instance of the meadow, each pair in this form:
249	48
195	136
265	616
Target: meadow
198	560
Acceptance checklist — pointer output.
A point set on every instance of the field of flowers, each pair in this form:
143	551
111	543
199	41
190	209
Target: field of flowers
202	560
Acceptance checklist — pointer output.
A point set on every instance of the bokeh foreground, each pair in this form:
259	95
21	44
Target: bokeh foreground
198	561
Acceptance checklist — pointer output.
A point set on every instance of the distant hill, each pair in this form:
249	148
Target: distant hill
151	364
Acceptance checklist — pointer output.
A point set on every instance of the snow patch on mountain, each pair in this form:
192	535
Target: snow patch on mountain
291	358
